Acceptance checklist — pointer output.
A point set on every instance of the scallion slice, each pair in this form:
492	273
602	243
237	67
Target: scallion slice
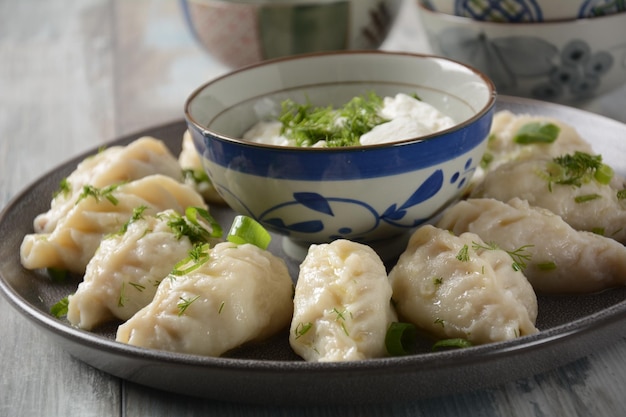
604	174
247	230
456	343
400	338
537	133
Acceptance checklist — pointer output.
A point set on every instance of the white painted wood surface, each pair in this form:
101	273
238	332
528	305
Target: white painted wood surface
75	74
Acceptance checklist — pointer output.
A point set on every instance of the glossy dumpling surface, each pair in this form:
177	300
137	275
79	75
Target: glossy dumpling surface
241	294
74	240
450	288
561	259
342	304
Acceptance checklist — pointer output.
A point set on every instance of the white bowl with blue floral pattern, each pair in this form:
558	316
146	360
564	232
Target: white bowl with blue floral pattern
366	194
568	62
516	11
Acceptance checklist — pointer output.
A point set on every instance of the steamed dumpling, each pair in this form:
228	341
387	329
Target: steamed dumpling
142	157
591	206
240	294
123	275
451	287
195	175
99	212
342	304
561	259
502	146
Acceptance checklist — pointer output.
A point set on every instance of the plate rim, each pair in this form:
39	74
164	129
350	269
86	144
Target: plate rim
604	319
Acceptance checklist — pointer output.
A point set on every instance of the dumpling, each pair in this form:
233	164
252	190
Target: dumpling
239	294
503	145
560	259
451	287
123	275
194	172
589	206
98	212
342	304
142	157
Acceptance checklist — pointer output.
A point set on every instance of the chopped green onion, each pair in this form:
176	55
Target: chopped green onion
537	133
587	197
57	275
400	338
59	309
198	256
456	343
247	230
621	194
604	174
546	266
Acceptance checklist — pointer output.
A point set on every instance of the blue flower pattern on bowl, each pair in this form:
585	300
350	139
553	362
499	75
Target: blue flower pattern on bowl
575	70
319	207
528	10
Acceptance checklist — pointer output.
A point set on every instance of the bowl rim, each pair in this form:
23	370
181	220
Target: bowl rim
490	104
422	8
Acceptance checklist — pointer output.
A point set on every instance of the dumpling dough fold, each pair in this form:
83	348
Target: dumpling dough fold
140	158
241	294
449	288
562	260
342	304
74	240
524	179
123	275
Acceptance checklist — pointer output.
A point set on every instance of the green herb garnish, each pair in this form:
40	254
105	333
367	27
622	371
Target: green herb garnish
59	309
190	225
302	329
184	304
536	132
577	169
400	338
307	125
57	275
65	188
587	197
196	257
198	176
519	255
463	254
98	193
456	343
245	229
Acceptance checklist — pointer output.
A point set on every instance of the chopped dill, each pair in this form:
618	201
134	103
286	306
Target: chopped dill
463	254
98	193
307	125
184	304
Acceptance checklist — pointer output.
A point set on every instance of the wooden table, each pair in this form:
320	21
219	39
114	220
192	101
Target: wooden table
76	74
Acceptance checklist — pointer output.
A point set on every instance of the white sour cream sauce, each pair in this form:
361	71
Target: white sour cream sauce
408	118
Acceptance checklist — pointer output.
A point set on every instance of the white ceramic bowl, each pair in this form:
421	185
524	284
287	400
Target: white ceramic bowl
366	194
241	32
516	11
568	62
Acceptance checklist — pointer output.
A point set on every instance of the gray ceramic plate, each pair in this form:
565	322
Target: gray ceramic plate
571	327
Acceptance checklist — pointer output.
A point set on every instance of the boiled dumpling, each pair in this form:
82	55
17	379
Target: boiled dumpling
99	212
559	258
503	145
142	157
195	175
123	275
451	287
342	304
590	205
240	294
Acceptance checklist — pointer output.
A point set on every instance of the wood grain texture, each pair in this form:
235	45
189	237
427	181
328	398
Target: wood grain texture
75	74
